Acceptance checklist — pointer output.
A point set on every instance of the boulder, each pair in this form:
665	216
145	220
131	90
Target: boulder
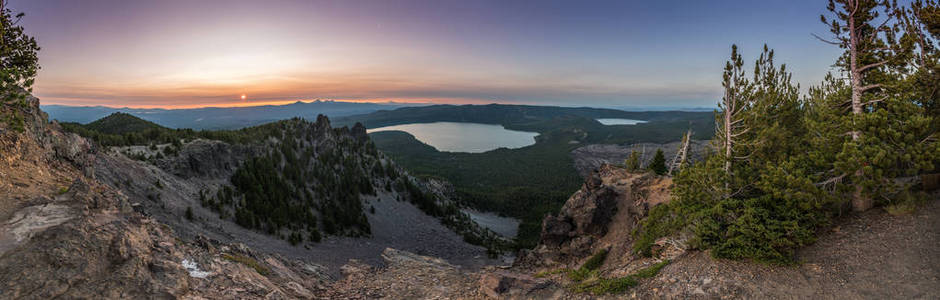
506	284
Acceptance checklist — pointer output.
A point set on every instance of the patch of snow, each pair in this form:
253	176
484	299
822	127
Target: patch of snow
615	121
194	270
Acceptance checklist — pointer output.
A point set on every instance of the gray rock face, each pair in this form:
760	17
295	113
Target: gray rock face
76	150
599	215
93	250
206	159
57	144
586	214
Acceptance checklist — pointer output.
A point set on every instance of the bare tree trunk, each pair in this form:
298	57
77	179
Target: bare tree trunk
681	154
729	110
3	4
859	201
728	142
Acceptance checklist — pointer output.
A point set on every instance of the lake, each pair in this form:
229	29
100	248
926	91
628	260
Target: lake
465	137
619	121
506	227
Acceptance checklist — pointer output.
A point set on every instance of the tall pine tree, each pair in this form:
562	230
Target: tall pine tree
733	109
882	132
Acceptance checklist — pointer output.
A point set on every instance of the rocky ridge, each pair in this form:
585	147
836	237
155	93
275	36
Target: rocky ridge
64	234
591	157
166	188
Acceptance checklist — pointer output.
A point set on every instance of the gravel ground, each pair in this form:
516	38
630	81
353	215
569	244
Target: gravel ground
872	255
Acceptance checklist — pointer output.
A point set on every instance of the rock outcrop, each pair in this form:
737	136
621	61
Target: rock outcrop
405	276
601	215
207	159
508	284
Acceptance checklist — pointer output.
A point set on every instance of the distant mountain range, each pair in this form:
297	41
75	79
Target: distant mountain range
220	117
662	108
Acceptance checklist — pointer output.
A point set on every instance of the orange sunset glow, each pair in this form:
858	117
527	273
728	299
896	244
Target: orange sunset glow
195	54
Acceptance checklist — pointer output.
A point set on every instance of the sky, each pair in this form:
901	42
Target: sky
189	53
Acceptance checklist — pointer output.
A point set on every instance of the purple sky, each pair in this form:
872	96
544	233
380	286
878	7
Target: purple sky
174	53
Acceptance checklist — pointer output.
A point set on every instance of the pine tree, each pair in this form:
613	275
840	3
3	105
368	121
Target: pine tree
19	64
658	165
775	114
733	111
19	61
633	161
866	52
922	28
886	132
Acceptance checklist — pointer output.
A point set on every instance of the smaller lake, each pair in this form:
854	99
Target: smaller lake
506	227
465	137
619	121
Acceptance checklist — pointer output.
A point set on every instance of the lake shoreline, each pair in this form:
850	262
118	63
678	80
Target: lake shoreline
464	137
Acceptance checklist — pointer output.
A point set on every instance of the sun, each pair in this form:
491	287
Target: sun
244	97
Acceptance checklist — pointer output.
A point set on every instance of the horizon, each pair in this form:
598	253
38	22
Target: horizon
236	105
389	102
177	54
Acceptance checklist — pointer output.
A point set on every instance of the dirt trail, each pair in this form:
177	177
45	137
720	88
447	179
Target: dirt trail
869	256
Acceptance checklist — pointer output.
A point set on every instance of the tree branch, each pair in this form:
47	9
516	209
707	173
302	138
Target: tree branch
825	40
875	101
740	133
880	28
831	180
928	138
870	86
874	65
